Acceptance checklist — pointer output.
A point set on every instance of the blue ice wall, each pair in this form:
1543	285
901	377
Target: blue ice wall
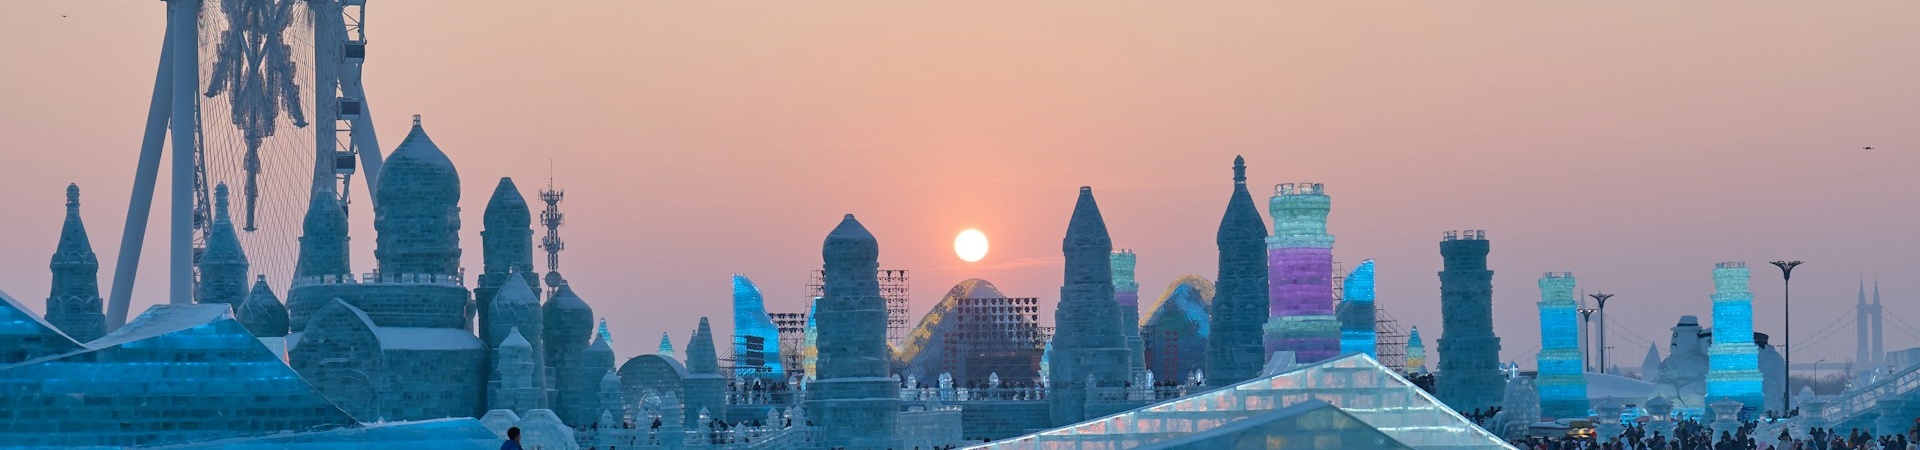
1356	312
756	342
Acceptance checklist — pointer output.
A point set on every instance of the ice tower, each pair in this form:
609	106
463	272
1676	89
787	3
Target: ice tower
1235	351
1562	373
516	311
1733	362
568	326
1126	292
1469	376
851	400
1088	344
1356	312
506	248
73	305
756	344
1300	264
223	268
1416	351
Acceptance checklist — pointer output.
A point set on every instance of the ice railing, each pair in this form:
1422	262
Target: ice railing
1858	402
736	437
457	279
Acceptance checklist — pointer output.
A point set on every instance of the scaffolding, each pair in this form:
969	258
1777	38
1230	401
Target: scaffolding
793	334
1390	340
895	287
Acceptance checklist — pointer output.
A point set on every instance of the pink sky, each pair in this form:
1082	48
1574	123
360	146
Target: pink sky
1634	143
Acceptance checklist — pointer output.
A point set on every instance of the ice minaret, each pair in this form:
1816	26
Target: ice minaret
1357	326
514	309
323	241
705	386
1733	362
73	305
1235	349
851	400
567	323
223	268
1126	292
666	344
600	331
1087	341
417	214
1469	376
262	313
757	345
506	249
1300	264
516	375
1416	352
1562	372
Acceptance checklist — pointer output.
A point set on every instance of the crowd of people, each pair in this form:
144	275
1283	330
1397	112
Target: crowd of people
1694	435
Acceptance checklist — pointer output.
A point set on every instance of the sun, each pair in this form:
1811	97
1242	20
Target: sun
971	245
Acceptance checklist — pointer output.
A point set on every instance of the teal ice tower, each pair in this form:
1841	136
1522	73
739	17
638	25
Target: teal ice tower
1356	313
1562	376
1126	292
73	305
756	344
1469	377
1300	263
1088	344
1733	362
852	401
1235	350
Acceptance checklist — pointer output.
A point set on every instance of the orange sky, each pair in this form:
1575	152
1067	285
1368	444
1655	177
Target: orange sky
1633	143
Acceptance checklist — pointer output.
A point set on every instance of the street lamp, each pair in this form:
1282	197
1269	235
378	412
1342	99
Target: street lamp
1786	304
1586	314
1602	300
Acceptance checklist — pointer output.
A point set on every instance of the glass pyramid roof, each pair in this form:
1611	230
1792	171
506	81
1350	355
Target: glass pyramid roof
1355	383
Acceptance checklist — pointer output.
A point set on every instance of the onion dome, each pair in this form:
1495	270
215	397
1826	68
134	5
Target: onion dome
850	241
417	214
262	313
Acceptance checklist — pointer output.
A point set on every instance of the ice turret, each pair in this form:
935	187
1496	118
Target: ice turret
516	375
613	402
323	239
1300	264
568	326
757	348
1562	372
73	304
513	308
580	399
262	313
223	268
417	212
506	248
1356	312
1236	349
1088	344
855	403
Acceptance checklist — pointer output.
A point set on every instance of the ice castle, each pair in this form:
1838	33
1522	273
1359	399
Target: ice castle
1300	259
1235	349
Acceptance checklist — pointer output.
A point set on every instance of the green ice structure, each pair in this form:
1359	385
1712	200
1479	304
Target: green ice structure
1347	402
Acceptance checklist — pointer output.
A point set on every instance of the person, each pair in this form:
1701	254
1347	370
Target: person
513	439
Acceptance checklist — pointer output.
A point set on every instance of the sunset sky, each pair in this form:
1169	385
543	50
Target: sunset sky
1632	143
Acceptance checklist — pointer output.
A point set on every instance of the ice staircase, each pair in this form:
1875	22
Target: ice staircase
1887	406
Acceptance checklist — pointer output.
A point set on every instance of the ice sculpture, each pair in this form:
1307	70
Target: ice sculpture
567	326
1300	261
506	248
1562	372
1177	329
756	347
515	309
1733	361
706	387
1650	366
516	372
1469	352
1520	409
1356	312
1683	375
1416	352
262	313
666	344
1089	348
1126	292
223	266
855	404
1238	416
73	304
1235	348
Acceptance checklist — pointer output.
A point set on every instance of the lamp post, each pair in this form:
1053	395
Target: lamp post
1786	302
1586	315
1601	298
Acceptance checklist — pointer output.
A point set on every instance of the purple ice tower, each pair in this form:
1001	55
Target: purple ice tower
1300	261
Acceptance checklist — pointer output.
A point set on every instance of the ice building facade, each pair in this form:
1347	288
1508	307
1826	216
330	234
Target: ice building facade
852	400
1416	351
73	304
1089	348
1733	361
1469	375
1235	349
1300	263
1358	327
1176	330
974	334
1561	371
1126	292
756	346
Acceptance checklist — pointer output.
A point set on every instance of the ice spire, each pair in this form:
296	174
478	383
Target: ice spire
262	313
851	395
1088	344
506	243
1416	352
514	309
666	344
73	304
1650	367
602	333
323	238
701	356
1236	350
223	268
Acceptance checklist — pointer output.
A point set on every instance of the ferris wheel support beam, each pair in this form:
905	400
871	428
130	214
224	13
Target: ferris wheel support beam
174	83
